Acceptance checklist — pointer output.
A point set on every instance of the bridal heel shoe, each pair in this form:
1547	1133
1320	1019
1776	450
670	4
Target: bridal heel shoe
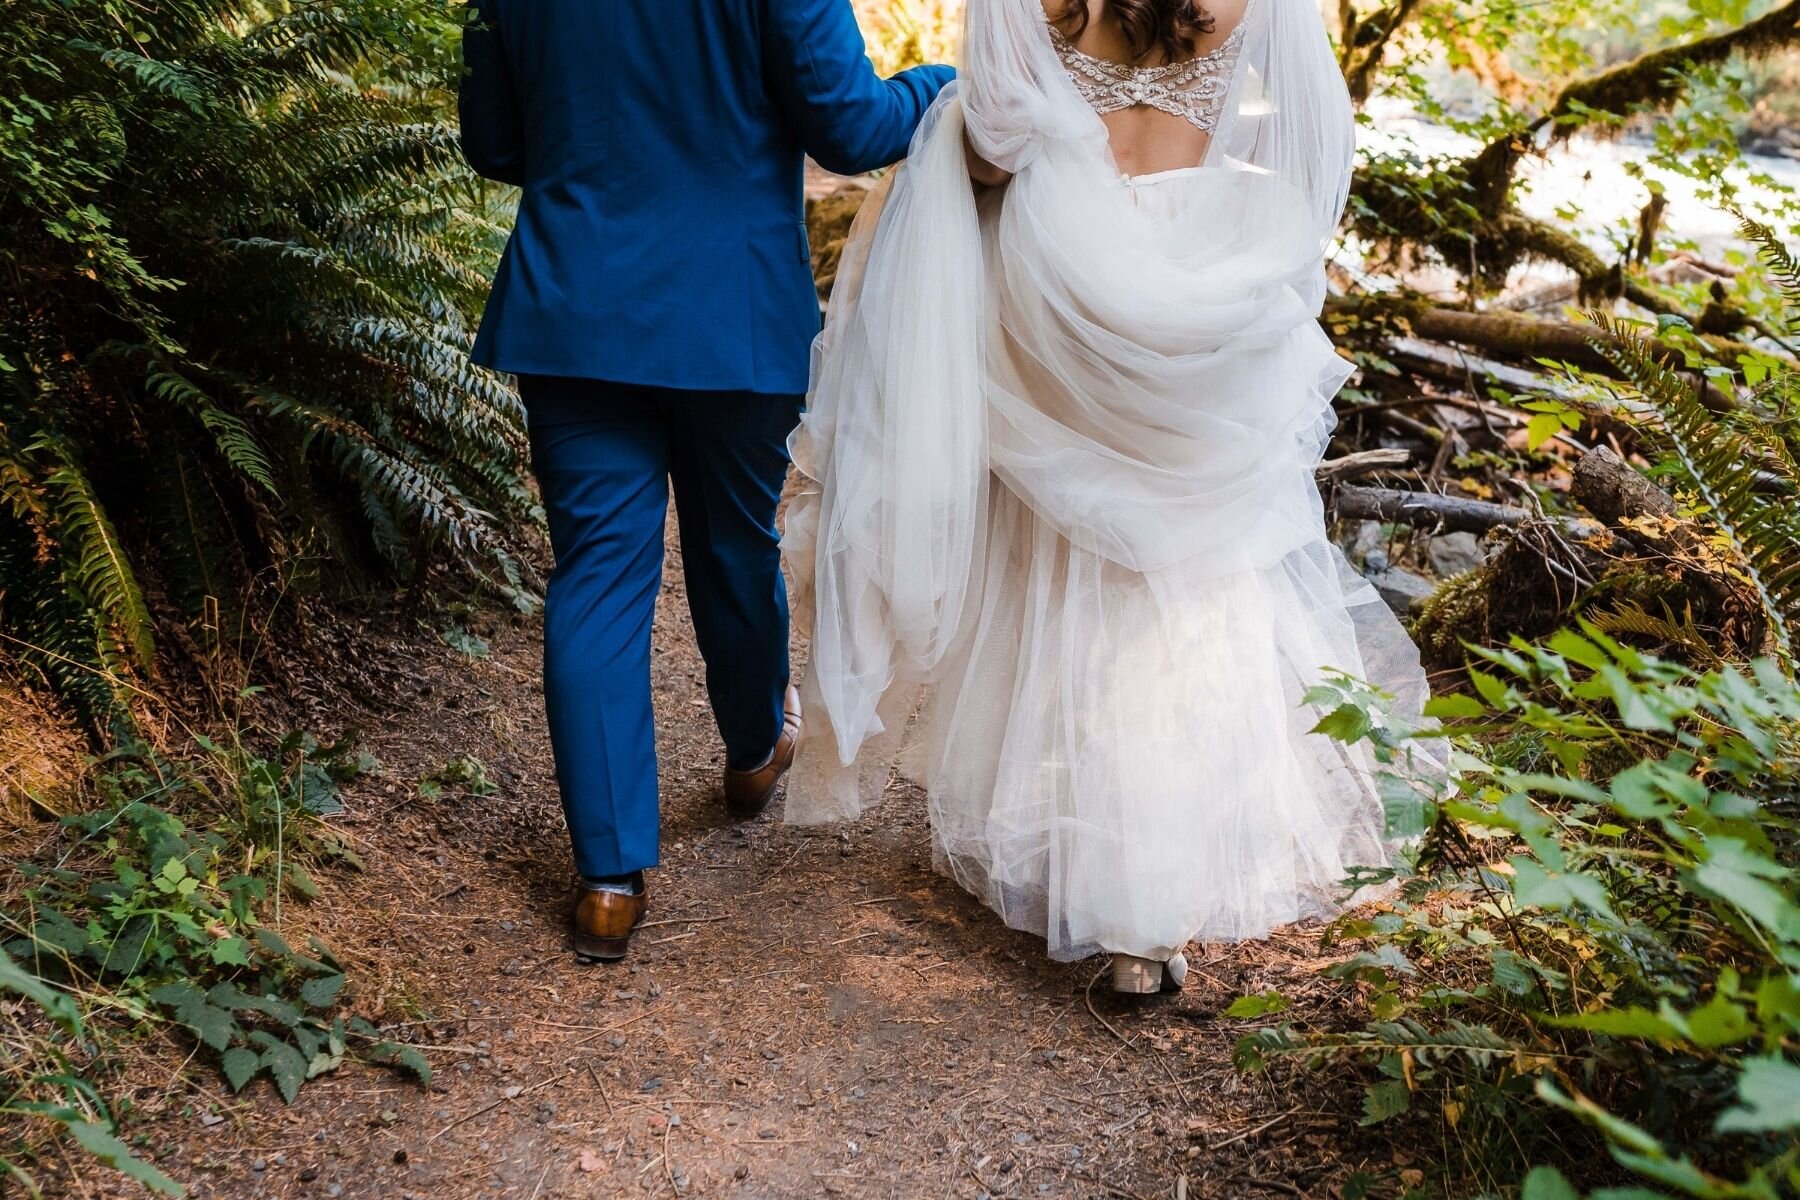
1144	976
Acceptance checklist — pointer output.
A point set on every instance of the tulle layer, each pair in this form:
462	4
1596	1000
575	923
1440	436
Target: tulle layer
1121	760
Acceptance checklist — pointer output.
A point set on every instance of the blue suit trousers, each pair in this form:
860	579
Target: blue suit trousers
605	455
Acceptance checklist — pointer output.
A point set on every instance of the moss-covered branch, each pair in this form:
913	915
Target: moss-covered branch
1365	41
1653	80
1660	77
1510	336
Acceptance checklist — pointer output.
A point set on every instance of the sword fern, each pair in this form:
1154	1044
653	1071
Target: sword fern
1738	461
240	260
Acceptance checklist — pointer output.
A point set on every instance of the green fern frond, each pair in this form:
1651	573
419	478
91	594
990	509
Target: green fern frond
1778	260
234	440
1721	466
1633	618
167	78
98	564
272	261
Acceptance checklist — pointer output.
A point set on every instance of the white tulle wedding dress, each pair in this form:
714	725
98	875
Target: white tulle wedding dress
1065	563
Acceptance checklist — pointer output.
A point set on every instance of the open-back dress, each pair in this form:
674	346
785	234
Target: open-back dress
1065	563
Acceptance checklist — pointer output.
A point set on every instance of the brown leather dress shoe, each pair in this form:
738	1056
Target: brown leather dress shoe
747	793
604	921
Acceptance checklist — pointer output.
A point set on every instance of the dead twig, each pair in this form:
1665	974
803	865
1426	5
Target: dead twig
1250	1133
1088	996
684	921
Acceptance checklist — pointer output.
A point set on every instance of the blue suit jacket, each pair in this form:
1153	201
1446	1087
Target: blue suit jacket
661	234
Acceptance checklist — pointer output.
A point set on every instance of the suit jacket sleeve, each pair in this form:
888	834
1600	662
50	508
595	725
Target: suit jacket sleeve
493	133
849	118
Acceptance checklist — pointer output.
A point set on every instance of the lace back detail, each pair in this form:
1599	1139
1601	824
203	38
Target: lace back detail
1193	90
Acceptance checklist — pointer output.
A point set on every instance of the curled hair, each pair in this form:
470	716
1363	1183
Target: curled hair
1169	25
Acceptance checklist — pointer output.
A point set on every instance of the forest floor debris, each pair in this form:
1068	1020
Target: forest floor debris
807	1012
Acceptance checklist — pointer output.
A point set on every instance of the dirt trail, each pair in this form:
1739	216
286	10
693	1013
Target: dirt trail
807	1012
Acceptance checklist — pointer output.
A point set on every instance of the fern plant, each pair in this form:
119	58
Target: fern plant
239	258
1737	459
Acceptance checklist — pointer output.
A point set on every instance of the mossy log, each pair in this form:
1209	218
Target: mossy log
1497	333
1652	80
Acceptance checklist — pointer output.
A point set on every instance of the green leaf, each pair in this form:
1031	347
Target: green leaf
408	1057
300	882
1778	1002
1577	649
287	1066
321	991
1248	1007
240	1066
117	1155
1635	708
1491	689
1768	1095
1547	1183
213	1025
1719	1022
174	995
274	1006
58	1006
464	642
1346	723
322	1062
1557	890
1383	1100
1738	876
274	943
414	1060
1634	1022
319	791
1512	974
1453	706
1541	429
231	951
52	929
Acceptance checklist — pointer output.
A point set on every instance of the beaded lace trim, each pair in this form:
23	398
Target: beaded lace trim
1193	90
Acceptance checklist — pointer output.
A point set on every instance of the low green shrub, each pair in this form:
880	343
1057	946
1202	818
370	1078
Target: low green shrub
1601	943
43	1083
146	920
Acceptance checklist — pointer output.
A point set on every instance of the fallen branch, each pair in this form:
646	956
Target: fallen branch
1362	462
1425	509
1432	510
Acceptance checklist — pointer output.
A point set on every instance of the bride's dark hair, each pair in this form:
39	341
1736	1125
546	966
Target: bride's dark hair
1171	25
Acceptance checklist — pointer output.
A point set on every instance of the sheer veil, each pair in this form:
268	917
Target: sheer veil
1060	444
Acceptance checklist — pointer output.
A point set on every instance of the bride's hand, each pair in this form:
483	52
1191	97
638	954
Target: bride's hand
983	172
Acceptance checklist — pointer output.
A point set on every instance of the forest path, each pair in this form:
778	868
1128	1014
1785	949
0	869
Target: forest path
807	1012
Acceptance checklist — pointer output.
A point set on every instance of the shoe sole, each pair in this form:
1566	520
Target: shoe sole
751	811
593	949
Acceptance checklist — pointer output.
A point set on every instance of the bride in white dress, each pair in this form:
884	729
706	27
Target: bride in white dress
1065	563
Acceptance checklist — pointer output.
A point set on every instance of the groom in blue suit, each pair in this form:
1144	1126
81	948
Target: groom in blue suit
656	302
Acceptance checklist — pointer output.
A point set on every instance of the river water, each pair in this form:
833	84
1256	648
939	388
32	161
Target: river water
1590	176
